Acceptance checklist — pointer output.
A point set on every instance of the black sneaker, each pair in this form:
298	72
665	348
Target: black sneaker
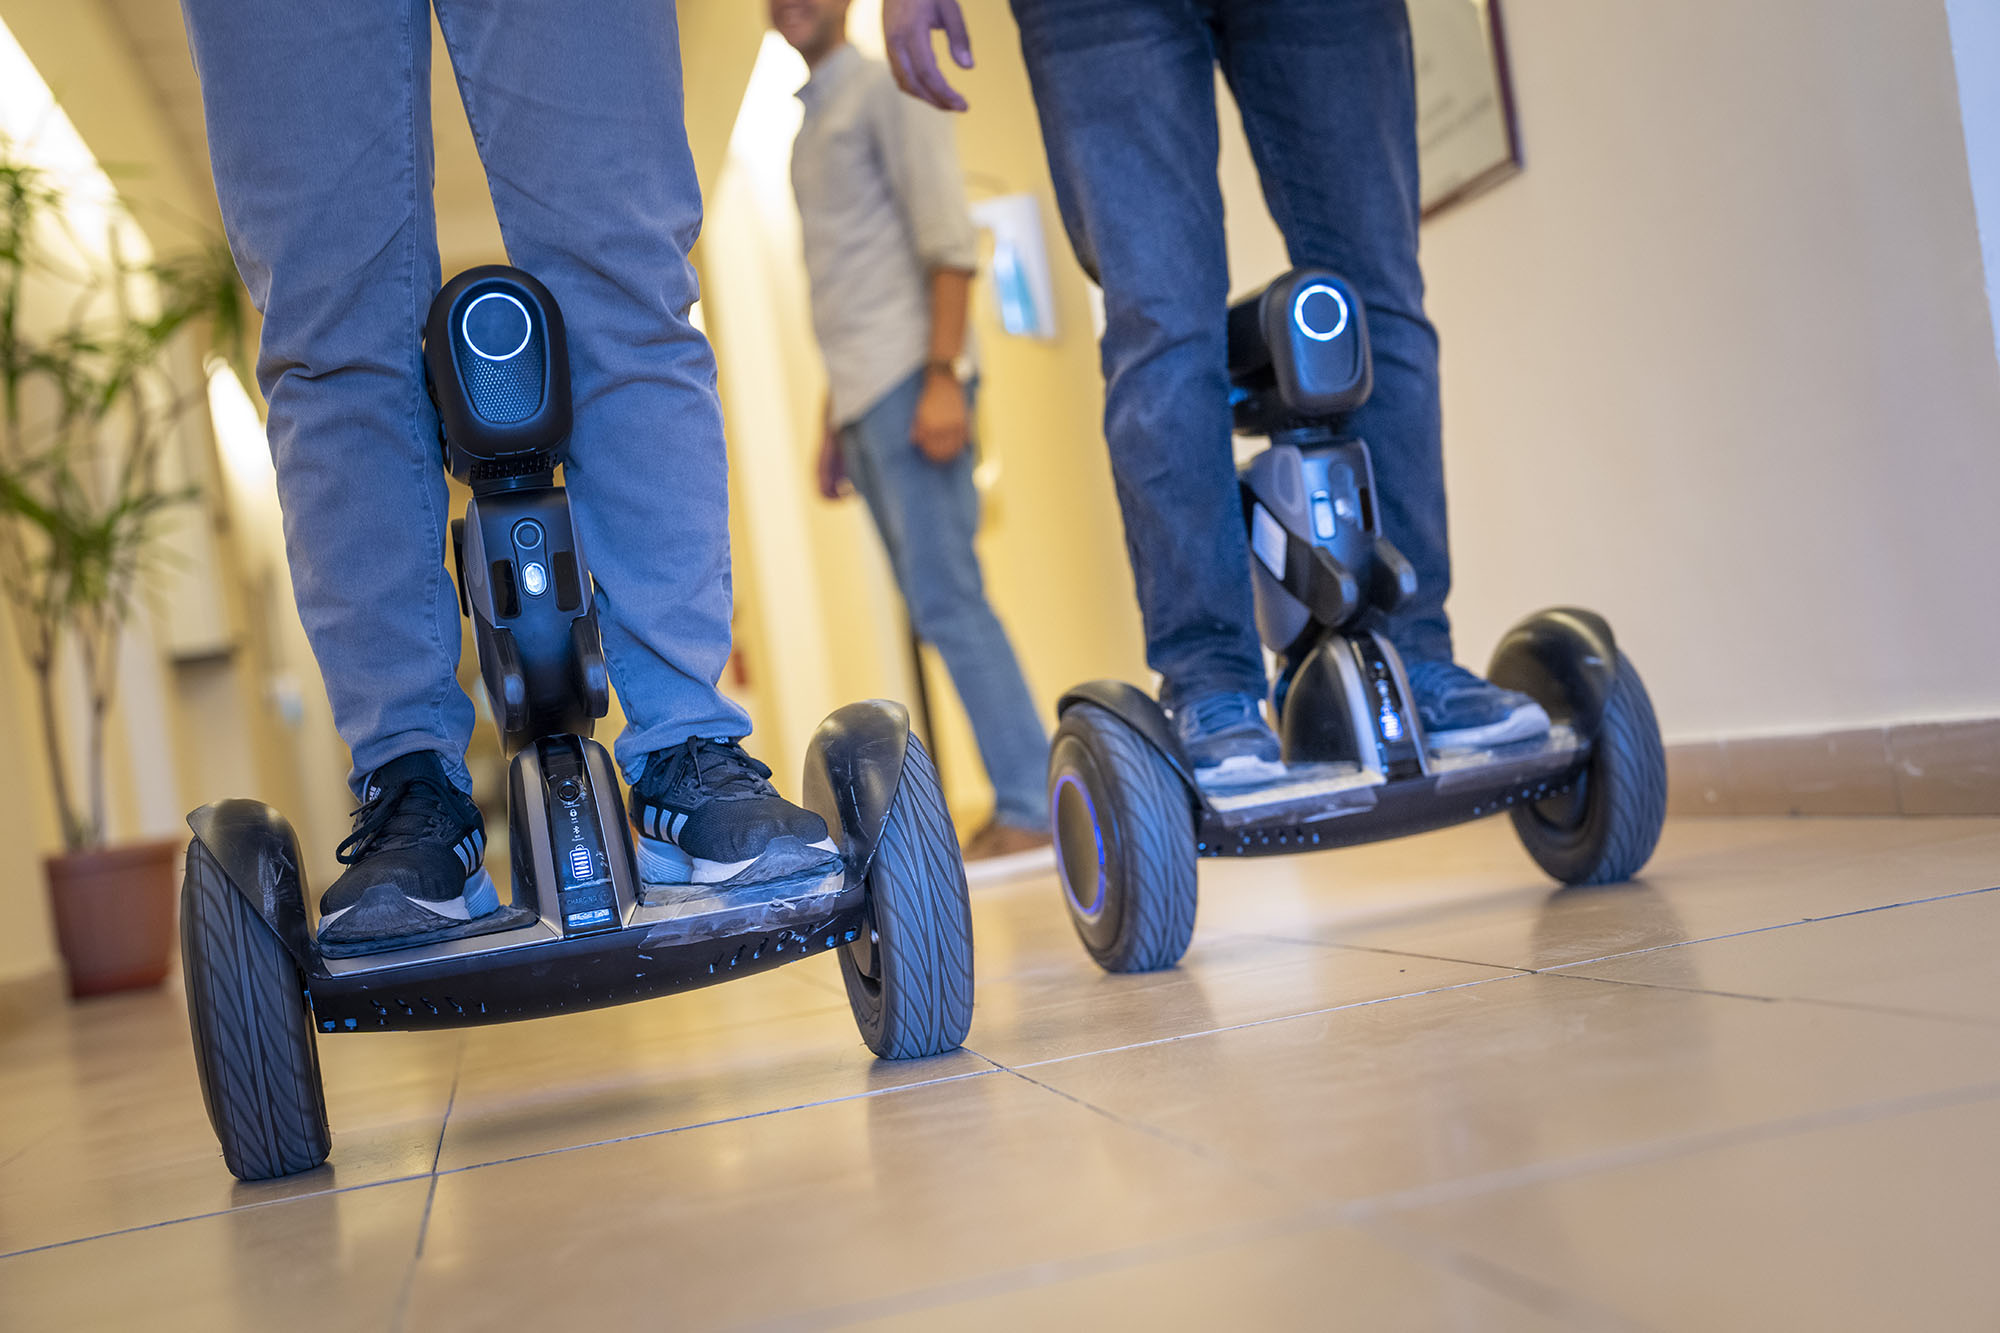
1462	712
1227	740
415	861
707	814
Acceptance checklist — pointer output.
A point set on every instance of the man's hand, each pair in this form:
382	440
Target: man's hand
907	26
938	429
833	482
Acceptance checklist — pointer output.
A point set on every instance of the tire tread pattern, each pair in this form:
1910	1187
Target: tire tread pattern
922	911
254	1042
1628	800
1152	865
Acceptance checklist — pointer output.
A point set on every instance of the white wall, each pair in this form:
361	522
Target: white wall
1719	363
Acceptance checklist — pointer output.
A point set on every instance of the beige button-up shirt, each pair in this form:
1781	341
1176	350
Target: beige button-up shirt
881	205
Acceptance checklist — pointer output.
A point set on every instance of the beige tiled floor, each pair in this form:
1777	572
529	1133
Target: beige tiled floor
1400	1087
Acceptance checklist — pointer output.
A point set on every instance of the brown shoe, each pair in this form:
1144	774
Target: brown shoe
998	839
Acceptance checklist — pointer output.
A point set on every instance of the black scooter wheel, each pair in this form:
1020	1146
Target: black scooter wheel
253	1034
1124	831
1605	827
909	976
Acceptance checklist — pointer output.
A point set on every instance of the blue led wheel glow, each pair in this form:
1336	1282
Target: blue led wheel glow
1089	913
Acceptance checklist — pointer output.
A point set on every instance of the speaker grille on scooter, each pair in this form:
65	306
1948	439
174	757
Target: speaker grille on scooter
503	392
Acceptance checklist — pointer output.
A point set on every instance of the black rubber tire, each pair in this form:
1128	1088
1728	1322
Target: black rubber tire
254	1048
1128	798
1605	829
909	980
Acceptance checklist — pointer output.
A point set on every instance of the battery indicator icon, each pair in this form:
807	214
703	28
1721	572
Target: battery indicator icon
579	862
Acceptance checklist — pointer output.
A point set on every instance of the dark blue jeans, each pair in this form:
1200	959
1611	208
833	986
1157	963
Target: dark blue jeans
1126	92
928	515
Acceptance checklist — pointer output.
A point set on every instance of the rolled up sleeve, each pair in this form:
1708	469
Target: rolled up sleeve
921	158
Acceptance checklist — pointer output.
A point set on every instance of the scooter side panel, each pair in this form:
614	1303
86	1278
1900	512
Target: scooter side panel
853	768
1139	711
1566	660
257	848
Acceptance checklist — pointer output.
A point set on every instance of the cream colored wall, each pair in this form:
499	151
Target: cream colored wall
1719	362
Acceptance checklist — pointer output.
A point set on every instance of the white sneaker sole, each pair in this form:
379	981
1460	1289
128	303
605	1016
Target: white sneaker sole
1243	770
1525	723
665	863
479	897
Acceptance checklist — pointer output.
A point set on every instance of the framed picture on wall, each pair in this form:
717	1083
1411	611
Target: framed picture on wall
1467	141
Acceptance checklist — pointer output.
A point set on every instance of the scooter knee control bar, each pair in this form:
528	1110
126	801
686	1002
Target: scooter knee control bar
498	367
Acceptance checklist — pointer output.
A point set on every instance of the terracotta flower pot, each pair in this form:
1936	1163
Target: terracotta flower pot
114	913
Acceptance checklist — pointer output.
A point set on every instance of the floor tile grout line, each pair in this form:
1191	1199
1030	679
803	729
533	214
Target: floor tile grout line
1558	1303
1370	1216
1048	1273
212	1214
430	1196
1360	1212
1510	975
1851	1006
1761	930
1627	953
728	1119
1390	953
1154	1132
498	1161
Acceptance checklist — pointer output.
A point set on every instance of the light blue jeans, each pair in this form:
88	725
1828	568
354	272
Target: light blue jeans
928	515
319	132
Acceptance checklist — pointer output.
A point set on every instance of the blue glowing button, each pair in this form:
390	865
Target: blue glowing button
534	579
1322	508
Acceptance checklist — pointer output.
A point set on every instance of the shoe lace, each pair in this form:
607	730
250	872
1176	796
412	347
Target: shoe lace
1212	713
718	768
1437	679
396	816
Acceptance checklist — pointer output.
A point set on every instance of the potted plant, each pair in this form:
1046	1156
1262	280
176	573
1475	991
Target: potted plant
88	400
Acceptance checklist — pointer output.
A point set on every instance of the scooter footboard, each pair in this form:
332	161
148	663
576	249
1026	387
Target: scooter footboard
1360	811
663	951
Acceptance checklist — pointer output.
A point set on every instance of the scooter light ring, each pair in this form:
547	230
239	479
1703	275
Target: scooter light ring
1096	908
1299	312
465	325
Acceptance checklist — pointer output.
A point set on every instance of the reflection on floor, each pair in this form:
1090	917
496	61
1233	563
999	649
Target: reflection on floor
1399	1087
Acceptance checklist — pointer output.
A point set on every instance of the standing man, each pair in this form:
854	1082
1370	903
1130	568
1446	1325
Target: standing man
1327	90
890	252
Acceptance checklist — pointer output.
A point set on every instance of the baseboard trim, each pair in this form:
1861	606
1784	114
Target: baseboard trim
1928	768
25	998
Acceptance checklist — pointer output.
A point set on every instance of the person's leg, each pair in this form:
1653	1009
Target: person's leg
1126	93
928	516
1328	95
1327	89
577	114
319	134
576	110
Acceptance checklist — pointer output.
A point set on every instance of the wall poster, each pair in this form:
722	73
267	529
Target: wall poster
1466	137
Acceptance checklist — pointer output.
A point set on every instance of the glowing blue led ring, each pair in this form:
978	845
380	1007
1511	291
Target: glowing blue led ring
527	325
1299	313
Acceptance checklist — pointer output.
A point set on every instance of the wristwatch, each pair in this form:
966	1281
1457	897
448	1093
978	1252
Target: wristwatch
959	368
